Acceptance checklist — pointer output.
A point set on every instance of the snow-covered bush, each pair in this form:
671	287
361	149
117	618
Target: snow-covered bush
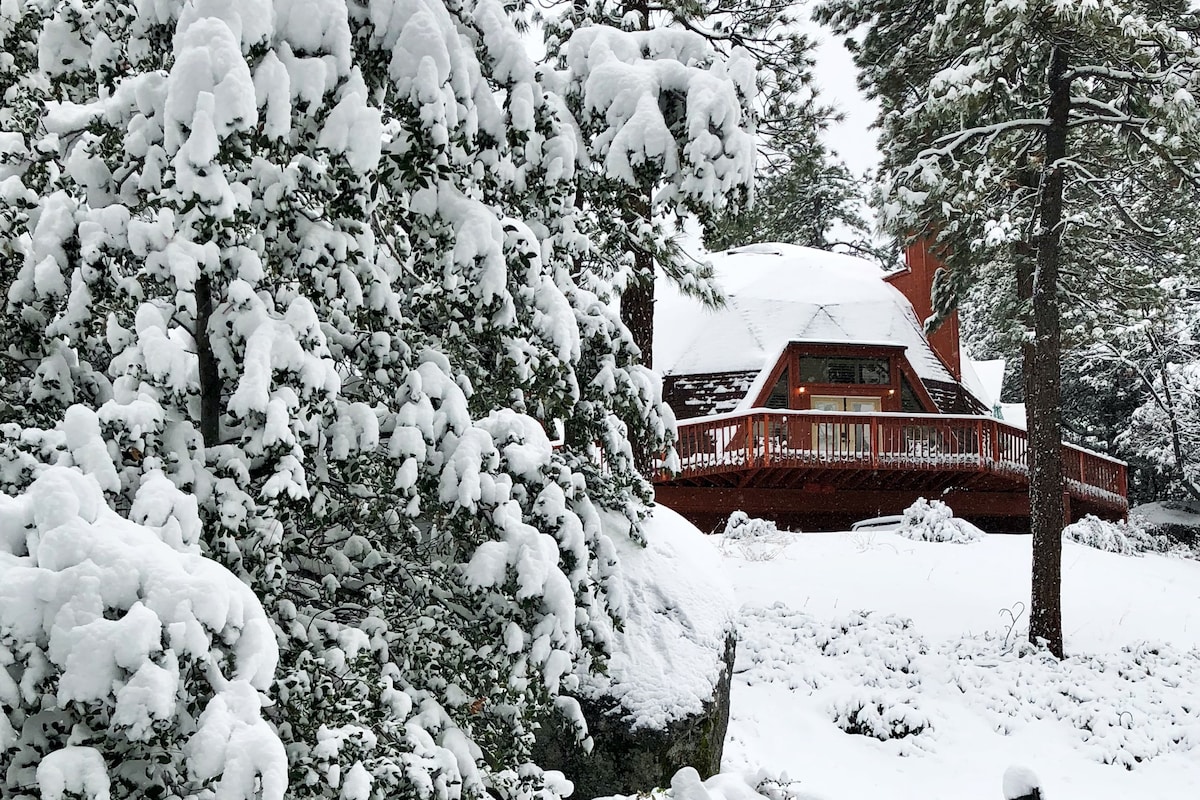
877	674
1126	538
880	715
742	526
934	521
761	785
753	539
1101	534
128	662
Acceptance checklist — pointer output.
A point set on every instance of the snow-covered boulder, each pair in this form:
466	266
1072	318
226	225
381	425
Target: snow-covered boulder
1020	783
663	702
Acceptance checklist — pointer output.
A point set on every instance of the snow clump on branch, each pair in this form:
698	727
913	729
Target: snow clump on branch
126	652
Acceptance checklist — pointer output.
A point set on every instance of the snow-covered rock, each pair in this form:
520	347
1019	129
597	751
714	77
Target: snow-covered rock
663	702
1020	783
679	611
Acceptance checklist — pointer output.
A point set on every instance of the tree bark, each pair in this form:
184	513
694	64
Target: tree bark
637	306
210	376
637	300
1043	376
637	312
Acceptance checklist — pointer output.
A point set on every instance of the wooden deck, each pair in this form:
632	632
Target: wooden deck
805	463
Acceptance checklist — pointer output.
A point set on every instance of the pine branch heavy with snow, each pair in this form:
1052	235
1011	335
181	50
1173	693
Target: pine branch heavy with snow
313	266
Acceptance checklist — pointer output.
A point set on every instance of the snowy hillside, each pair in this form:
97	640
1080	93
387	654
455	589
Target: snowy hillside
909	643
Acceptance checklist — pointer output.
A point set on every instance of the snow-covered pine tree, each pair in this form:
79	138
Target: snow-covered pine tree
1031	137
1116	342
810	199
312	263
1159	352
667	125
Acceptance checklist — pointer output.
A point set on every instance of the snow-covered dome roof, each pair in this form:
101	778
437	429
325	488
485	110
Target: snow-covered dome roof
780	293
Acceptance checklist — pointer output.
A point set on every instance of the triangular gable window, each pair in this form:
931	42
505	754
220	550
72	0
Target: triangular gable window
908	397
779	393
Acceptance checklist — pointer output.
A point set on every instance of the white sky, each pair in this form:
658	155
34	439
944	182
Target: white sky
835	75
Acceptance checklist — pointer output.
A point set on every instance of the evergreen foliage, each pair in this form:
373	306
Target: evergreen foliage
318	265
811	200
667	121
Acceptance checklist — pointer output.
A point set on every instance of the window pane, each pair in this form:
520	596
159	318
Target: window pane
779	394
812	369
841	370
830	369
875	370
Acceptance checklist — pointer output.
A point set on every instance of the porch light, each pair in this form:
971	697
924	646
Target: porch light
891	392
802	390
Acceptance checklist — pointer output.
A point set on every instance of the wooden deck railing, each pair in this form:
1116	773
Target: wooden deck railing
758	439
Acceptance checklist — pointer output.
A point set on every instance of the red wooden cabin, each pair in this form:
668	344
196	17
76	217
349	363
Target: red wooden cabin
814	398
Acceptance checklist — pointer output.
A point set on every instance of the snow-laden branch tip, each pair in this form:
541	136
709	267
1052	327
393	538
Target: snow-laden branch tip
948	144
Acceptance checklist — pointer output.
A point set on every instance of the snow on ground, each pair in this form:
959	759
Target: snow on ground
910	642
1167	514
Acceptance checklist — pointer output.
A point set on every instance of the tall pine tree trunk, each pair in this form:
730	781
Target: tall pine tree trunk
637	299
637	312
637	305
1043	376
210	376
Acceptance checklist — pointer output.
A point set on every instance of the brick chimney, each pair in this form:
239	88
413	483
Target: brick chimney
916	283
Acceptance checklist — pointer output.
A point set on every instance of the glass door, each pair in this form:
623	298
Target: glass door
843	439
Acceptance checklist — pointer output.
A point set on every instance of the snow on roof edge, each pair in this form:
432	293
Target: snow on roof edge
783	293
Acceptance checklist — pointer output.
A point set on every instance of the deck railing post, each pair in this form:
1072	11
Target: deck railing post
995	442
979	441
874	442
